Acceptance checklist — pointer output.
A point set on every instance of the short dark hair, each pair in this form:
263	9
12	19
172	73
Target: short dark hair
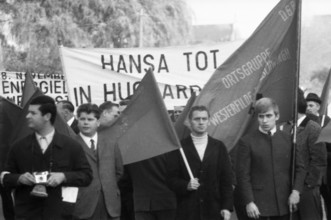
107	105
67	105
198	108
47	105
89	108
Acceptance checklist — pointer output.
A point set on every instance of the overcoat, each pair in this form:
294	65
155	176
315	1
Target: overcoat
263	170
65	154
215	177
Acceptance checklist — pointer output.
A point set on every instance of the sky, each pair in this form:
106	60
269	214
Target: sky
247	14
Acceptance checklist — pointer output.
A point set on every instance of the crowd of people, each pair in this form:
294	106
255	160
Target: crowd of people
53	176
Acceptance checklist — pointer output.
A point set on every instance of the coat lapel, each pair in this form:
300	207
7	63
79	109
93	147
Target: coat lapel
101	145
192	152
208	152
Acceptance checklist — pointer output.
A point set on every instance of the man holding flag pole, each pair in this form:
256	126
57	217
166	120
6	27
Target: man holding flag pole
263	169
209	194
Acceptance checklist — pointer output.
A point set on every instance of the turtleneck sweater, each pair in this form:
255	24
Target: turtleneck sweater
200	144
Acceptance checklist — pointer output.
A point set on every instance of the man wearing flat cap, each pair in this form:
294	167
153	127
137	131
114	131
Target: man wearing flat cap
313	106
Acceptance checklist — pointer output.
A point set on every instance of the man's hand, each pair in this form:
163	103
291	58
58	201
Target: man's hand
193	184
226	214
27	179
293	200
56	179
252	210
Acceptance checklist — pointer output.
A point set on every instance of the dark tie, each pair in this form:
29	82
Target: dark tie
93	146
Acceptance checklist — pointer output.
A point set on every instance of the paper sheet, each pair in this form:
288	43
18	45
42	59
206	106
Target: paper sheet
69	194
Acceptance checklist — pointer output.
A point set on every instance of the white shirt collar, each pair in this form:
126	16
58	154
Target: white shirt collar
87	140
70	121
48	137
300	120
272	131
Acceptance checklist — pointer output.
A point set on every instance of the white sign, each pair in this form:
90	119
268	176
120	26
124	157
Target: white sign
96	75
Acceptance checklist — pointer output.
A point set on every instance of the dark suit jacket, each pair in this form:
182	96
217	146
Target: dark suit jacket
150	189
215	177
25	156
107	169
263	171
74	126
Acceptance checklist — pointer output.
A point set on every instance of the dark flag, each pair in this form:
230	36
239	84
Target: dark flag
325	135
265	65
29	88
144	129
9	114
180	124
325	98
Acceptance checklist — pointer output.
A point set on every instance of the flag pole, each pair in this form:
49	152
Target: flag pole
60	47
323	120
325	98
186	163
296	88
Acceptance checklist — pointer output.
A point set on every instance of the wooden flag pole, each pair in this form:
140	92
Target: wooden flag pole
295	110
186	163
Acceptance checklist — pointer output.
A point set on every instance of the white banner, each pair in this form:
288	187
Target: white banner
96	75
12	84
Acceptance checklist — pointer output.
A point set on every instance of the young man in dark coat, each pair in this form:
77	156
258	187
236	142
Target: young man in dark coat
209	195
44	150
263	169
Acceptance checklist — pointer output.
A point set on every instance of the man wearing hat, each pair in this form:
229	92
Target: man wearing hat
313	106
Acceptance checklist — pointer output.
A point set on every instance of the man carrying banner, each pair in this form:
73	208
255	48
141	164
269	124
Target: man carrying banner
263	168
41	164
210	194
314	157
101	199
66	109
314	107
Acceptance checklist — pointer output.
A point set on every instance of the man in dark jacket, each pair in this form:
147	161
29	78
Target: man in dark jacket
46	150
314	156
209	195
152	197
313	108
263	169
